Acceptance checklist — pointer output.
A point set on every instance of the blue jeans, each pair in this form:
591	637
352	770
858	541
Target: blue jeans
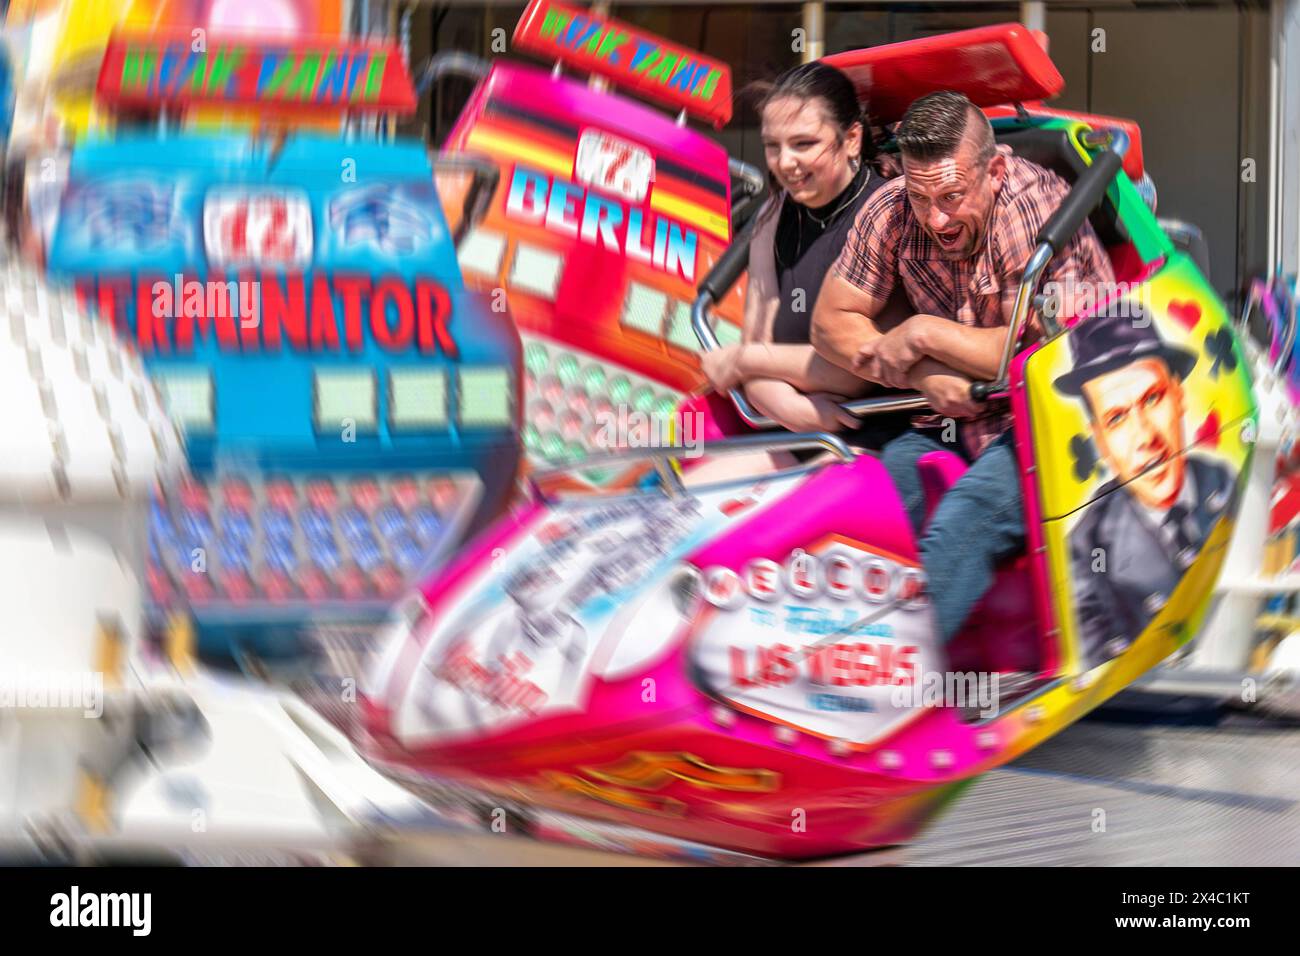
979	523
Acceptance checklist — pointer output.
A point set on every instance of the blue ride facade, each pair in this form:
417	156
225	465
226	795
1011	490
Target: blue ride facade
350	408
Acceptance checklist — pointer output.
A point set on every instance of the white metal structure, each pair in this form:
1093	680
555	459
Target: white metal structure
102	744
1217	662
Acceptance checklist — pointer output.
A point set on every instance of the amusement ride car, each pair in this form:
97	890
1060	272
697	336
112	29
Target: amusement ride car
752	664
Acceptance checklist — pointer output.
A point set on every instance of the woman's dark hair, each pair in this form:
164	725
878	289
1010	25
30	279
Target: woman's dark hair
817	81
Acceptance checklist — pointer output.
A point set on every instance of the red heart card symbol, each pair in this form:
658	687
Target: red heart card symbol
1208	433
1187	313
736	505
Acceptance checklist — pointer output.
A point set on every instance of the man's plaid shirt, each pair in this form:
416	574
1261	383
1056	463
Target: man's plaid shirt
888	243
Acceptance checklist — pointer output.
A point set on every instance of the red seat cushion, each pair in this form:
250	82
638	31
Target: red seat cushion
1002	633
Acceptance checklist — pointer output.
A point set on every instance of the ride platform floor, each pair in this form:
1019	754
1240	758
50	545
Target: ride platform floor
1145	781
1148	780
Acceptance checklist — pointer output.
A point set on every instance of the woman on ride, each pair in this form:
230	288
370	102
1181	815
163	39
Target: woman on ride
820	160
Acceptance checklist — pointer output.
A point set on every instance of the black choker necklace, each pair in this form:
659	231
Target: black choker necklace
826	221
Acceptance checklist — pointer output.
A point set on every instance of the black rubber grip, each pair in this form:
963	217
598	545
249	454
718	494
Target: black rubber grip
980	391
734	261
1089	190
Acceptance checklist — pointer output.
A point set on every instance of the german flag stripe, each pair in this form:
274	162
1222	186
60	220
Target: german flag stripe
678	208
683	191
559	146
535	154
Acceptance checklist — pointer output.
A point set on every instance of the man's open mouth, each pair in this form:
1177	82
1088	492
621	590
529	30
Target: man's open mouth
950	238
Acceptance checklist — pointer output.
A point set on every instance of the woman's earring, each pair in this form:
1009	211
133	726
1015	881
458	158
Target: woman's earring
855	163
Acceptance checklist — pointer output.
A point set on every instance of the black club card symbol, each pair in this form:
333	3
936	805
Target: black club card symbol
1085	456
1220	347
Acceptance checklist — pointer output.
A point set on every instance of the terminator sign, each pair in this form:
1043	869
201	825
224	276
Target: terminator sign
195	69
635	60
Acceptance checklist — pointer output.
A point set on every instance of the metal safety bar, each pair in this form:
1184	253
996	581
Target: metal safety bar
1038	260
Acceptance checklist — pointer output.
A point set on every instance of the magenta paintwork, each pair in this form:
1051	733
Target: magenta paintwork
572	105
831	502
939	471
867	796
1036	552
720	418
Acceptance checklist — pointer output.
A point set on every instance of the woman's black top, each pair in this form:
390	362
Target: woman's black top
808	241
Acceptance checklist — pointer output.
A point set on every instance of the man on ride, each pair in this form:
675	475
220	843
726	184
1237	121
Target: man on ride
957	229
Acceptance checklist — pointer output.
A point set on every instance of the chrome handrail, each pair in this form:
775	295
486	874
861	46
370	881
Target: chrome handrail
709	343
1117	141
747	174
1038	261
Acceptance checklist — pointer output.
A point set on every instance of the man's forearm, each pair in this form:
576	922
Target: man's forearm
837	337
927	367
973	352
799	365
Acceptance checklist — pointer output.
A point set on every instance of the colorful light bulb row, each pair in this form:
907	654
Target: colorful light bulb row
296	540
573	401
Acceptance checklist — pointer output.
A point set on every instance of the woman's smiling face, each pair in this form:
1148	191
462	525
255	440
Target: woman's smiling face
805	151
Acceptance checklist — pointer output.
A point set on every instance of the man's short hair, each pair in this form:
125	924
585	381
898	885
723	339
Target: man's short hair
935	125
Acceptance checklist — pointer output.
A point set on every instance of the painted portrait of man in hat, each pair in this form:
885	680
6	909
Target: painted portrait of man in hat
1148	522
